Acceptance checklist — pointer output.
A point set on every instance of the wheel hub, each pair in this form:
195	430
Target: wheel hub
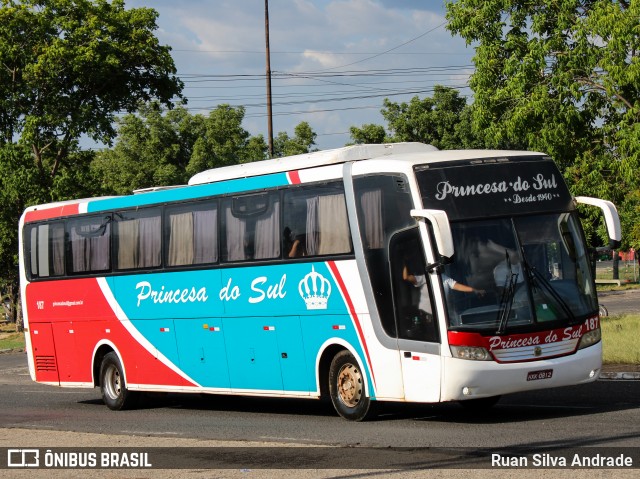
350	385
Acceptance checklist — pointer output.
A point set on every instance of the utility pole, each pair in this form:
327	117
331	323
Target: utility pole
269	113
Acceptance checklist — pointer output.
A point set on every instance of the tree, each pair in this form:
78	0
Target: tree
443	121
302	142
224	141
67	67
157	148
559	77
369	133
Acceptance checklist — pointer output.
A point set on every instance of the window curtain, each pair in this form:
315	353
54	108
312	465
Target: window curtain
57	249
150	241
267	240
235	235
371	203
333	225
79	260
180	239
205	236
98	247
128	232
313	239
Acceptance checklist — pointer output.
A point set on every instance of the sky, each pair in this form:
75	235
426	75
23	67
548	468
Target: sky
332	61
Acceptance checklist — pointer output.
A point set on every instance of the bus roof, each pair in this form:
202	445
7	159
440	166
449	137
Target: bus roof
308	160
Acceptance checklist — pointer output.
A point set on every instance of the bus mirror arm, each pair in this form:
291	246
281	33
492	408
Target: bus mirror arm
441	232
612	220
437	266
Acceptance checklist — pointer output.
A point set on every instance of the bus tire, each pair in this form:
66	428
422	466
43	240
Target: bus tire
347	388
114	391
480	404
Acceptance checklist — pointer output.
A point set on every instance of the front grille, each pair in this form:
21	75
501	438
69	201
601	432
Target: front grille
541	351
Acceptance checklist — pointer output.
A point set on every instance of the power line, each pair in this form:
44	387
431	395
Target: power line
389	50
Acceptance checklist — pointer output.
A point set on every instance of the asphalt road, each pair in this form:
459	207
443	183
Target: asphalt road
604	413
620	302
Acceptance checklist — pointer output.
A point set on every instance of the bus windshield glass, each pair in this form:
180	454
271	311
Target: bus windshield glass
520	263
527	273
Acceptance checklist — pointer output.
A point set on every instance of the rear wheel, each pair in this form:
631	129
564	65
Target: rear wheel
112	384
347	388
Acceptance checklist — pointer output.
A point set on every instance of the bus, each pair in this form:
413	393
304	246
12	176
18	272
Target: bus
363	274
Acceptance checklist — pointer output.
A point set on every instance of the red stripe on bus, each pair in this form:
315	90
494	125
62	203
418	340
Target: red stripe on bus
294	177
352	312
48	213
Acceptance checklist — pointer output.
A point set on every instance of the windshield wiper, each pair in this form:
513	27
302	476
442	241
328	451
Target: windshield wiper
506	300
540	279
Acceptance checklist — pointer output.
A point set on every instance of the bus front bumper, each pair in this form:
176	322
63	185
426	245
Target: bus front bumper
465	379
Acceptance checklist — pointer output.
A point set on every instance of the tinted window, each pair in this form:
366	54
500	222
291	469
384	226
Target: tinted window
316	222
88	244
45	249
251	227
192	234
383	203
138	237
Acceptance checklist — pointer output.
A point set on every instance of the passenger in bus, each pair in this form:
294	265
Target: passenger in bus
419	281
508	266
294	245
452	284
449	283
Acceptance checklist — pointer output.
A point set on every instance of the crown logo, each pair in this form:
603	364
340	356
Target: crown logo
315	289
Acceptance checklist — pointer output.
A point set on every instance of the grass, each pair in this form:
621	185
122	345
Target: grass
9	338
621	339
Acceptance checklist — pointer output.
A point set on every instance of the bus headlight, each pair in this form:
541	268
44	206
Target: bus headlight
590	338
474	353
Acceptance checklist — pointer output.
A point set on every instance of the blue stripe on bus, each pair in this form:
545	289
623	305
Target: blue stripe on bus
189	192
245	328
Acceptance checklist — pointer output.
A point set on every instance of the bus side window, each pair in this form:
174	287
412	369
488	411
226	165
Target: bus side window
138	236
192	234
383	204
316	222
45	245
251	227
88	244
415	315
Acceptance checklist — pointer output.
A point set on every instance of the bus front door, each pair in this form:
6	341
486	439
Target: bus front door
416	322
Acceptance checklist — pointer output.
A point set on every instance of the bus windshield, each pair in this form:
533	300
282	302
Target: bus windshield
527	273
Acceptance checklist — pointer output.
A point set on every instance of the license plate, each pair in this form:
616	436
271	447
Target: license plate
543	374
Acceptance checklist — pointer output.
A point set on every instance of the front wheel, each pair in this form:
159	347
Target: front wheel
347	388
112	385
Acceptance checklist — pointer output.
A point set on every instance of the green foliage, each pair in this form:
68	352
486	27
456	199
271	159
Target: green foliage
443	121
70	65
368	134
302	142
562	78
156	148
67	67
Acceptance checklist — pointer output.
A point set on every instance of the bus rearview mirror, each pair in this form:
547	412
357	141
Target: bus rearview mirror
611	218
441	230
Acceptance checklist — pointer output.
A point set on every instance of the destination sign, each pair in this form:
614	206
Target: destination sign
494	188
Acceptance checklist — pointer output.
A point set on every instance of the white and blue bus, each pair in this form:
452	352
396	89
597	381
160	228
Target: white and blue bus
363	274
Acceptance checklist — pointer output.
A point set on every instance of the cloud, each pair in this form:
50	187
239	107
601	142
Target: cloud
307	36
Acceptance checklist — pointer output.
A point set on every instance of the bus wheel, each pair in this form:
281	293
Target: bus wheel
114	390
479	404
347	388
